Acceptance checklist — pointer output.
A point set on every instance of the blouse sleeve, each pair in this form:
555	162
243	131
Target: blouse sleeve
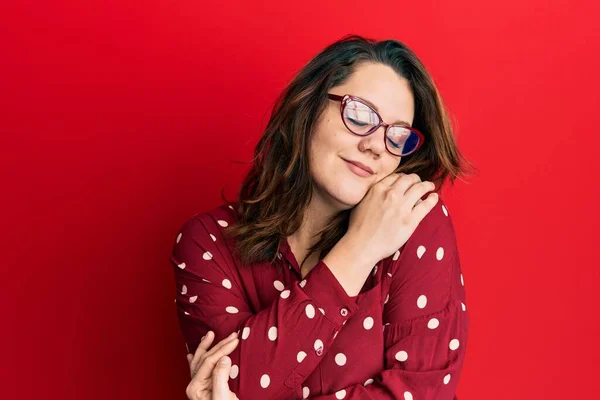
280	345
425	319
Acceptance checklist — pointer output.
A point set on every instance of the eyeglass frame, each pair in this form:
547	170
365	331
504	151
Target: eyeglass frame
347	97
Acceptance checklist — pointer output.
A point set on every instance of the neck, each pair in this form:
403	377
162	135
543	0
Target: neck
316	216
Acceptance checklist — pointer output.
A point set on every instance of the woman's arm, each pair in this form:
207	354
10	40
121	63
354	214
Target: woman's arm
425	317
280	345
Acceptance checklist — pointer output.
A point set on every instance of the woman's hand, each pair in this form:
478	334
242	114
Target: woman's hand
209	376
390	212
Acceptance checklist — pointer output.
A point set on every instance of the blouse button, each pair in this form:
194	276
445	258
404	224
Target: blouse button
319	351
344	312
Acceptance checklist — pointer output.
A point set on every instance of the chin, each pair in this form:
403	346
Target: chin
340	191
348	197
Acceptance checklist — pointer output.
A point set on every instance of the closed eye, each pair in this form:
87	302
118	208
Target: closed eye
357	123
396	145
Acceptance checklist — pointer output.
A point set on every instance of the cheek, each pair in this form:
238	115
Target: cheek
390	165
324	145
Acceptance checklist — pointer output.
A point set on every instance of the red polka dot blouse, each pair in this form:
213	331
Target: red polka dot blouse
403	337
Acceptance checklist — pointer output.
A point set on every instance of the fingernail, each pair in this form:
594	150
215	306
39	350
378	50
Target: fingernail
225	360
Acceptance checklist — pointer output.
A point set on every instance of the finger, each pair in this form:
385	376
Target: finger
220	379
391	178
201	350
416	193
424	207
217	346
209	363
410	189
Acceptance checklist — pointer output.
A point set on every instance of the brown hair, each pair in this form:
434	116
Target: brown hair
278	186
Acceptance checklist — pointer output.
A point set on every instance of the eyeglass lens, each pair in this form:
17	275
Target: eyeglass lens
360	118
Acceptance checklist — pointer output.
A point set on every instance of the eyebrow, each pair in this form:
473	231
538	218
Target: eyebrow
398	122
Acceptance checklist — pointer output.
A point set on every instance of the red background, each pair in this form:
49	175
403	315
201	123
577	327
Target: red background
121	119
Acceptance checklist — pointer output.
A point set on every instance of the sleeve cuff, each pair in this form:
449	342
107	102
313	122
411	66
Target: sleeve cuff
328	294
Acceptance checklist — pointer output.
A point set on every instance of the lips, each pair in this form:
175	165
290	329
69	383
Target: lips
361	166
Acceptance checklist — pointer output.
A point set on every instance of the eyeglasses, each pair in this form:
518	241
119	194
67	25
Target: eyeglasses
362	120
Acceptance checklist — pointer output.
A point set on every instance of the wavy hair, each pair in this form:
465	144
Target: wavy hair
278	187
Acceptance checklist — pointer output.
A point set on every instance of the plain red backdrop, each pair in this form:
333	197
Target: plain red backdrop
121	119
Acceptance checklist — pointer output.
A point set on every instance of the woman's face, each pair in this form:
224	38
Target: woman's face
336	181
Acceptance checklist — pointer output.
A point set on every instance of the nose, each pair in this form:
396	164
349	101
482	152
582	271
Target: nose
374	141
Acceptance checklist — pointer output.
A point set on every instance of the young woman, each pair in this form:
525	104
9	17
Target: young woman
335	271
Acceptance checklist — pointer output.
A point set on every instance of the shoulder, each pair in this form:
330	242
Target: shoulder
206	226
433	240
436	228
437	222
200	243
217	217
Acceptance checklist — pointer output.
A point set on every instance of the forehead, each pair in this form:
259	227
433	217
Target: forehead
383	89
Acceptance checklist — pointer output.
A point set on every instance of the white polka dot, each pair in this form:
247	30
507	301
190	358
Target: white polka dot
422	301
285	294
340	394
231	207
302	283
387	298
300	356
245	333
335	334
408	396
454	343
207	255
446	379
322	311
205	280
278	285
222	223
233	373
396	255
214	239
464	308
390	275
305	392
340	359
420	251
433	323
318	344
368	323
375	270
401	356
193	299
439	254
462	280
265	381
183	289
182	265
179	237
368	382
226	283
445	210
310	311
186	313
272	333
231	310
